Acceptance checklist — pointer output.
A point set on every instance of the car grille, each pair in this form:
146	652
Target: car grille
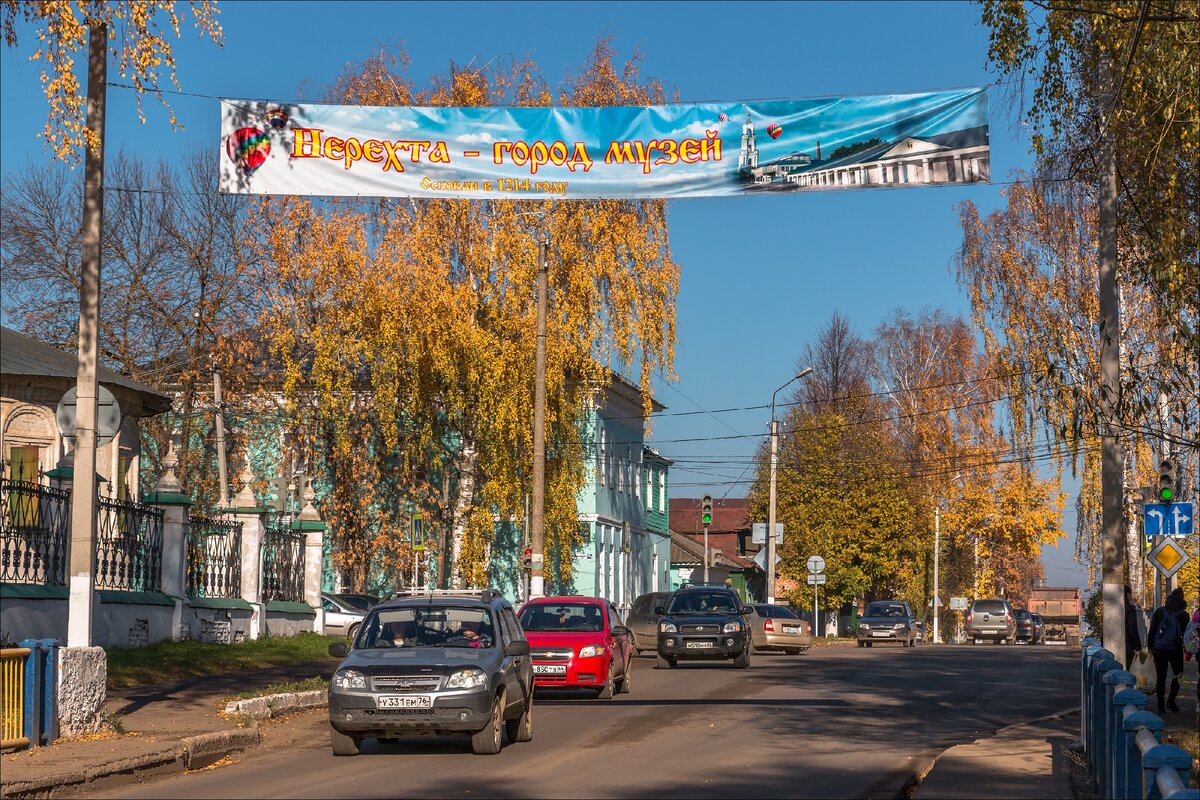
399	683
700	629
548	654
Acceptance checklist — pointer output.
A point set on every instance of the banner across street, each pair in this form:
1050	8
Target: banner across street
619	152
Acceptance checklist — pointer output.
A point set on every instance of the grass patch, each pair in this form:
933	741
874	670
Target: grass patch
306	685
166	661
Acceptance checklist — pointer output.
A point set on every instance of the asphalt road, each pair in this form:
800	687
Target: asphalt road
834	722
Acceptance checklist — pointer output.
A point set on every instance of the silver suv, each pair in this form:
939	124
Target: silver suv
991	619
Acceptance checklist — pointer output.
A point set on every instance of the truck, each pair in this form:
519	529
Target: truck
1059	607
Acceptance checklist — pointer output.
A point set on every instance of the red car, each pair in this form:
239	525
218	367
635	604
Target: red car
578	642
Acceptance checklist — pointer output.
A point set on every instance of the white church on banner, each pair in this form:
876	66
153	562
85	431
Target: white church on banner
955	157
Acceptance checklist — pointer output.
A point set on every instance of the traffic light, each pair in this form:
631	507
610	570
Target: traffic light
706	510
1167	480
527	561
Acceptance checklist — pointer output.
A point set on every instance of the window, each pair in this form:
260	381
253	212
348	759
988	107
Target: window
23	464
662	491
601	453
649	488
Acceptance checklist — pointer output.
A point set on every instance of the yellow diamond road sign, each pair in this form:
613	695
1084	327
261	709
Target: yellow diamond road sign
1168	556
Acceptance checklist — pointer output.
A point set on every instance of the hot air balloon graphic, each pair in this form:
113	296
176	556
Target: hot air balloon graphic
277	118
248	148
722	117
774	131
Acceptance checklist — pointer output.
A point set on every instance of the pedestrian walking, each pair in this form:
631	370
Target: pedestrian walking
1165	637
1133	633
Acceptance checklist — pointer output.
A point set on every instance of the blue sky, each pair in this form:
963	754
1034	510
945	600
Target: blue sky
761	275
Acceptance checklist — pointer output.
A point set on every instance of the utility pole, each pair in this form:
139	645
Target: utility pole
771	503
220	435
1111	455
937	546
83	497
537	518
975	596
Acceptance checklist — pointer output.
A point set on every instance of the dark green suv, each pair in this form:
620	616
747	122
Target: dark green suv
442	662
704	623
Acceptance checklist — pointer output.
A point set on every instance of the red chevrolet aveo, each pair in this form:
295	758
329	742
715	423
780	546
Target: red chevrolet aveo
578	642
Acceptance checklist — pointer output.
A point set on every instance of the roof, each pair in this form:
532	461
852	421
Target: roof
685	550
729	515
24	355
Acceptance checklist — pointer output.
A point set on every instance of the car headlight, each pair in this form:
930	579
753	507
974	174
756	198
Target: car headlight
667	627
733	627
898	625
349	679
591	651
470	678
864	626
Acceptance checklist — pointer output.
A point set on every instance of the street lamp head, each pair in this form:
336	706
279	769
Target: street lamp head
804	372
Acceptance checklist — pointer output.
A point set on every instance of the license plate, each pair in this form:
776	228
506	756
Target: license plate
404	701
549	669
790	629
699	645
881	633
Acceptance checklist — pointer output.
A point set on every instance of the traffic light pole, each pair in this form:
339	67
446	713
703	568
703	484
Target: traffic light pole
770	566
706	555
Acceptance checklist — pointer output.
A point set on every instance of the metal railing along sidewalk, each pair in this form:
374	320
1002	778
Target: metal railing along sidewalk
1123	742
28	688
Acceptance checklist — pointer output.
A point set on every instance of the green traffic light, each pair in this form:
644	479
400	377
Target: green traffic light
1166	494
707	519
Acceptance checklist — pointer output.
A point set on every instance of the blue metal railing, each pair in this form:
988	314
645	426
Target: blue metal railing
1123	741
29	692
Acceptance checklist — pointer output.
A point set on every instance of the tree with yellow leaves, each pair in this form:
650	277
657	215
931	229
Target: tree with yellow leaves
144	56
424	311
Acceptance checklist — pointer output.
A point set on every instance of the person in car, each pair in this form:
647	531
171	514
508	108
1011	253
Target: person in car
476	634
398	634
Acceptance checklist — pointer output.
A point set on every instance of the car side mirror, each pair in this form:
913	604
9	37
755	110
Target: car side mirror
660	610
620	630
338	650
747	610
516	649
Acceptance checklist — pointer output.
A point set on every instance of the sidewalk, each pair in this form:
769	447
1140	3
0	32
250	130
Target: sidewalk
169	727
1028	761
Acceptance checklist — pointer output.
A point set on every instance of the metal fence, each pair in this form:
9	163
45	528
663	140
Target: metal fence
128	546
28	694
283	563
214	557
1123	741
34	521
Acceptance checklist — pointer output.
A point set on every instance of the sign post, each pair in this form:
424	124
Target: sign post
816	568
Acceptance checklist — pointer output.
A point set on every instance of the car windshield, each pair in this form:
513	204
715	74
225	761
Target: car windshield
885	610
703	603
988	607
427	626
578	617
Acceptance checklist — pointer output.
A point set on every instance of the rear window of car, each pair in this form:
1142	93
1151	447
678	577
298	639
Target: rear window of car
1021	613
988	607
783	613
578	617
885	610
703	603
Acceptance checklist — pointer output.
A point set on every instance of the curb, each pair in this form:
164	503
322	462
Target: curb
273	705
194	752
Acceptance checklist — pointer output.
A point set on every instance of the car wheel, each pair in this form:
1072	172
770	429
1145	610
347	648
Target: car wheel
344	744
663	662
861	643
353	632
742	659
609	688
626	677
792	651
521	728
868	644
487	741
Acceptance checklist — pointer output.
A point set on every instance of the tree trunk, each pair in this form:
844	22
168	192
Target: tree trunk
465	465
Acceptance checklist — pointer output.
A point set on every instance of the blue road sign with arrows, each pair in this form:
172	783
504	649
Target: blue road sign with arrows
1169	519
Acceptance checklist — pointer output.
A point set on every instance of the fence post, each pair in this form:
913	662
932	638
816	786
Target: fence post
1112	680
169	496
1125	702
1102	661
1089	646
247	511
1163	756
1134	723
309	521
34	686
50	689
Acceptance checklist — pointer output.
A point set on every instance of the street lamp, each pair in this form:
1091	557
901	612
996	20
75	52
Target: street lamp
774	464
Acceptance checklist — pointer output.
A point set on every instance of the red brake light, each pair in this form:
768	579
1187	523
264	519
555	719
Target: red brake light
769	626
970	616
1008	617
